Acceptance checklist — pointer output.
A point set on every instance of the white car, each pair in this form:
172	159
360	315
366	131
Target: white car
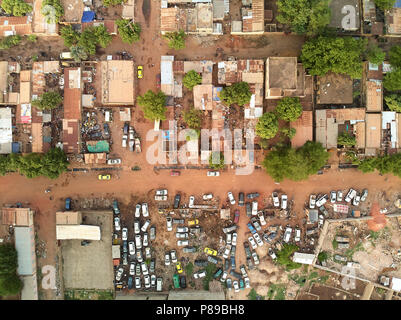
144	268
137	282
181	235
138	241
287	234
236	286
191	201
321	220
258	239
252	242
119	274
166	259
322	200
137	210
312	201
147	281
145	211
145	225
182	243
262	218
173	255
276	200
339	196
227	251
234	241
213	173
114	161
255	257
117	226
162	192
350	195
145	239
131	248
272	254
229	238
148	254
356	200
297	235
125	234
200	274
169	222
254	208
139	256
132	269
284	201
182	229
224	276
364	195
208	196
247	283
137	230
231	197
333	196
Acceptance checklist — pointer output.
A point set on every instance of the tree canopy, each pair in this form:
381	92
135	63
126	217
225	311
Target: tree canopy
384	164
193	118
53	10
395	56
385	4
213	164
267	125
289	109
393	102
16	8
10	283
78	53
10	41
70	36
128	30
337	54
375	55
284	257
48	101
154	105
295	164
304	16
346	139
392	80
191	79
238	93
176	40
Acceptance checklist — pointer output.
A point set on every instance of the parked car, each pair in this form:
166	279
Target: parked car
159	284
166	259
68	204
262	218
207	196
230	228
213	173
146	279
181	235
312	201
125	246
177	200
182	229
117	225
251	227
321	220
178	221
125	259
138	241
173	255
258	239
137	282
247	283
182	243
236	216
248	206
236	286
256	224
179	267
252	242
139	256
119	274
200	274
138	269
255	257
232	262
210	252
333	196
241	284
234	241
145	211
233	249
236	274
193	222
276	200
175	173
152	233
247	250
201	262
364	195
284	199
130	282
113	161
231	198
152	265
339	196
254	208
272	254
132	269
212	260
227	251
217	273
131	246
241	199
183	282
145	225
148	253
137	210
229	283
243	270
287	234
269	237
350	195
252	195
297	235
229	238
169	222
322	200
191	201
356	200
226	264
189	249
153	281
104	176
137	229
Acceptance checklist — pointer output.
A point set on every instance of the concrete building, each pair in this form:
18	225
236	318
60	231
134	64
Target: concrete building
81	232
6	135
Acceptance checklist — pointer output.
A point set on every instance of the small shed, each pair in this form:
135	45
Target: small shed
304	258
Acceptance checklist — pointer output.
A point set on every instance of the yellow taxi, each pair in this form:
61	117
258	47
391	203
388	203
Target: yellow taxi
210	252
179	268
193	222
104	177
140	72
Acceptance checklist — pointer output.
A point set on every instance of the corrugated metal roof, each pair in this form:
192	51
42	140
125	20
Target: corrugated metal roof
304	258
373	130
25	245
81	232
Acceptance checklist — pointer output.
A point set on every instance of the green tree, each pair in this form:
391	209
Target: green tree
154	105
16	8
128	30
32	37
395	56
48	100
10	283
88	40
103	37
238	93
176	40
346	139
108	3
54	163
375	55
267	126
78	53
191	79
340	55
289	109
10	41
216	160
193	118
385	4
283	257
323	256
304	16
288	132
53	10
393	102
70	36
392	80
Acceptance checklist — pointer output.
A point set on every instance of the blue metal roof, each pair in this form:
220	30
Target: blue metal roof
397	4
88	16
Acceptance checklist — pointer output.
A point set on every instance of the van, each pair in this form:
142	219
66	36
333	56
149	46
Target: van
254	208
159	284
230	229
107	116
66	55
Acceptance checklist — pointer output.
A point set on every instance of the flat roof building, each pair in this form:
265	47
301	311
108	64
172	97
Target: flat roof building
6	135
373	133
304	129
25	245
374	95
80	232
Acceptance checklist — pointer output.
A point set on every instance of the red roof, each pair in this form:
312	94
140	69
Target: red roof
72	97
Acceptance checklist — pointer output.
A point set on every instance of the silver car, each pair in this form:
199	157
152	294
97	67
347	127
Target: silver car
137	210
166	259
145	239
146	278
137	282
144	268
137	229
145	211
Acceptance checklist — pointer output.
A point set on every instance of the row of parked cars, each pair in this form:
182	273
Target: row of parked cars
337	196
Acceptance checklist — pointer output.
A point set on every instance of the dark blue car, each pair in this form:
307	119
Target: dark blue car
130	282
68	204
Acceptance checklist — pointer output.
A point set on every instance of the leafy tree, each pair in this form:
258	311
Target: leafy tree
88	40
384	4
54	163
10	284
393	102
78	53
283	257
53	10
154	105
375	55
191	79
392	80
384	164
346	139
304	16
340	55
10	41
216	160
70	36
16	8
238	93
32	37
289	109
108	3
267	125
193	118
128	31
323	256
288	132
103	37
176	40
395	56
48	100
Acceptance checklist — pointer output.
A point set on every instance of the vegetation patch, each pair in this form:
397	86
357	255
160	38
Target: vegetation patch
83	294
